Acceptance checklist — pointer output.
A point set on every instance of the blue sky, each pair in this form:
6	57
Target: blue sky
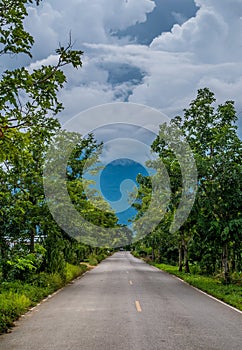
120	170
155	53
122	159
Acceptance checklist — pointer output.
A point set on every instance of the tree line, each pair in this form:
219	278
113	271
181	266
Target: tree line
30	239
211	237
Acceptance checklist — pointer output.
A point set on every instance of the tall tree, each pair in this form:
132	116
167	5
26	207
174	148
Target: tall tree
213	229
28	109
212	135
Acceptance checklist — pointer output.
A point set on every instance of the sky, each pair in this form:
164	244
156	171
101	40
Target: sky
156	53
125	151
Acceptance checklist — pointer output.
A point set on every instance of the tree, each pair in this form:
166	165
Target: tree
212	135
213	229
28	109
90	218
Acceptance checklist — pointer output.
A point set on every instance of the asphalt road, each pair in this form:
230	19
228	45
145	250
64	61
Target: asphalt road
125	304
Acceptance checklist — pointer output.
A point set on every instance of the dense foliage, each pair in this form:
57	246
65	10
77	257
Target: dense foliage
36	255
211	237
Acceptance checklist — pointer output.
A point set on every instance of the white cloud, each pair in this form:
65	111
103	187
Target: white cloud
171	79
179	17
80	98
89	21
205	50
50	60
212	36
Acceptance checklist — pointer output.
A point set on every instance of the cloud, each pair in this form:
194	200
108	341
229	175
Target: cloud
94	21
212	36
205	50
162	18
170	79
179	17
89	21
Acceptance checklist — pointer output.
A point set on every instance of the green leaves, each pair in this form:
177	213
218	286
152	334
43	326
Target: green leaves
28	108
214	226
13	37
69	56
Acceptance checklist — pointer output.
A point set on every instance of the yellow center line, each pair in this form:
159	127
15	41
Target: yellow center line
130	282
138	307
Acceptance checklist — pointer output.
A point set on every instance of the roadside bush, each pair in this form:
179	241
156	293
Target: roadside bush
16	296
22	265
135	254
11	306
47	281
236	278
101	257
92	259
73	271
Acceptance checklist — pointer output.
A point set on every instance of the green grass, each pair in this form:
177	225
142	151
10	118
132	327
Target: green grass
11	306
94	259
17	297
230	294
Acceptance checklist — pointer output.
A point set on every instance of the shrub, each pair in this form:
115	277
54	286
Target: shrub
16	297
236	278
92	259
73	271
11	306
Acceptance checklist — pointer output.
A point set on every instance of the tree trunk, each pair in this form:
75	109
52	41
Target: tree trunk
31	246
153	253
225	263
4	258
180	258
186	264
233	260
159	255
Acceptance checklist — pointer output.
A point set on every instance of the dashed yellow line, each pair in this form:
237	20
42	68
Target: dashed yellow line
138	307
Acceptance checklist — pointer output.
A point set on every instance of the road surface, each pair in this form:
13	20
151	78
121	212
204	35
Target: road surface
125	304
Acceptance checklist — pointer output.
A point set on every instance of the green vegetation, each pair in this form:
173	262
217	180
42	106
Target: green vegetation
36	255
230	294
211	237
94	259
17	297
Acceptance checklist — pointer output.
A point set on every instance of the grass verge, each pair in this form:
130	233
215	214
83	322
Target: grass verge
230	294
17	297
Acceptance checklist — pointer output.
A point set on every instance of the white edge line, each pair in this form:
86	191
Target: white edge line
199	290
28	312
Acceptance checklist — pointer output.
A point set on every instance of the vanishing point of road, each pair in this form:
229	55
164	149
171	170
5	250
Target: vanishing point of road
125	304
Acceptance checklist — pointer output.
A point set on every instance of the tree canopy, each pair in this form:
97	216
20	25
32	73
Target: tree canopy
29	108
212	234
